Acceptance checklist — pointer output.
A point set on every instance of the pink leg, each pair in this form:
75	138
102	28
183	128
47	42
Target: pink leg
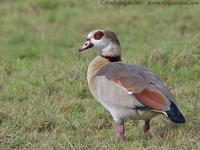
121	130
146	127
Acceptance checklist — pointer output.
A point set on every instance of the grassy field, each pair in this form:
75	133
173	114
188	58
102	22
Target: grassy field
45	103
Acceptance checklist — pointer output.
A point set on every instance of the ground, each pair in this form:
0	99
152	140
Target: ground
44	98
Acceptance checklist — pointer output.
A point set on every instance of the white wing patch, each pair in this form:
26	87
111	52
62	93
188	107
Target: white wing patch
129	92
160	112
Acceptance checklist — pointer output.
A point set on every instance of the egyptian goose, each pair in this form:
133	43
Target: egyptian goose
127	91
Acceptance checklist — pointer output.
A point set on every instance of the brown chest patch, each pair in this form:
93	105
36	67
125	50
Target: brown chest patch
112	58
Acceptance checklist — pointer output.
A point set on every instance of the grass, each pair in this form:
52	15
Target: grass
44	98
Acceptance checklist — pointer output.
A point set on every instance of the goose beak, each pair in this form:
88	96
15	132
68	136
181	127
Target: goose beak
86	45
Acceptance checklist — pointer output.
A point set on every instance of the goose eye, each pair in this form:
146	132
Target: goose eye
98	35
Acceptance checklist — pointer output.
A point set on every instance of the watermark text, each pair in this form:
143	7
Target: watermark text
168	3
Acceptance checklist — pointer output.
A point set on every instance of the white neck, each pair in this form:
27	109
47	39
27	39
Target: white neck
111	50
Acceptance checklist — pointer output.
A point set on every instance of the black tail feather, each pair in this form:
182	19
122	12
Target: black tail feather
175	115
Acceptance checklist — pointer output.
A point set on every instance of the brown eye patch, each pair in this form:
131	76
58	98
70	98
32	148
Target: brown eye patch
98	35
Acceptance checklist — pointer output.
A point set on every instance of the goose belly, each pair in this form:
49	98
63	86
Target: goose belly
117	101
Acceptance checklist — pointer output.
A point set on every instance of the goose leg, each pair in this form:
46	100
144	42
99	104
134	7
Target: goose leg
121	131
146	127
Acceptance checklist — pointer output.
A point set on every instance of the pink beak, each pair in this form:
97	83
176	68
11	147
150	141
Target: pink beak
86	45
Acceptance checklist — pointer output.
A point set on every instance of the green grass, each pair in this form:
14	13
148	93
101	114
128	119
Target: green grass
44	98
